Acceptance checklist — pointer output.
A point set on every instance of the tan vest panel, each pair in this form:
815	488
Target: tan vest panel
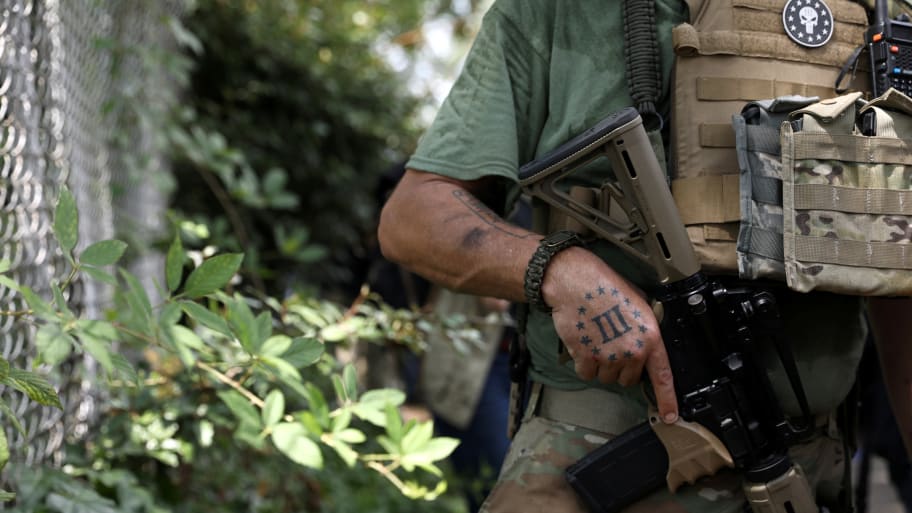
733	52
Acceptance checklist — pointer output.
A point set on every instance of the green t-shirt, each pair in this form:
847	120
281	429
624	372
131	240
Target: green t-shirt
541	72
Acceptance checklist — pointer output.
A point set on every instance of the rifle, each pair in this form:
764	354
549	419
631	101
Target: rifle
729	415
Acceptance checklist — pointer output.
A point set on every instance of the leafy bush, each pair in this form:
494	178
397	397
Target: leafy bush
236	402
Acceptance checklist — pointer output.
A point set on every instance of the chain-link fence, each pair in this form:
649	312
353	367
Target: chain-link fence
65	66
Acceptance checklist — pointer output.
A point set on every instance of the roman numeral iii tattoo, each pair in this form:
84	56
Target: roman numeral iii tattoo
611	324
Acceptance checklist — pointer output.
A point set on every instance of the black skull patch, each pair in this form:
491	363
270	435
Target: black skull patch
808	22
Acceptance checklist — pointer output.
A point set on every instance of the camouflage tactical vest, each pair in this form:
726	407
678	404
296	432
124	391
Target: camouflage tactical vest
734	52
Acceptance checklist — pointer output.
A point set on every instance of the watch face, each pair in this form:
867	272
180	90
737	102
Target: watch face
808	22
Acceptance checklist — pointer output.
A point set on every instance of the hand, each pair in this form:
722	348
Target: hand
607	326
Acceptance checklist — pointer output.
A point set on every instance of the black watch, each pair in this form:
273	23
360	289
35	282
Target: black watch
535	272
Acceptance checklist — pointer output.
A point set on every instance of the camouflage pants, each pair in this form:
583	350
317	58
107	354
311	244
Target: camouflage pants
532	480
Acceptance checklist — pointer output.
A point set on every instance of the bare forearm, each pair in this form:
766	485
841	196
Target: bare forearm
891	320
439	229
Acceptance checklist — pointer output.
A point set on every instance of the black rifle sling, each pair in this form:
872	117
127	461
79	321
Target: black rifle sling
641	51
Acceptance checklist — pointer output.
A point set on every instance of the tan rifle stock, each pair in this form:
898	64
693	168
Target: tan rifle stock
653	231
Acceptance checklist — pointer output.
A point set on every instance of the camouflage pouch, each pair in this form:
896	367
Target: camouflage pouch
459	354
757	146
847	196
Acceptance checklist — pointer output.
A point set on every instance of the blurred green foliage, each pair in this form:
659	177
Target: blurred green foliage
306	115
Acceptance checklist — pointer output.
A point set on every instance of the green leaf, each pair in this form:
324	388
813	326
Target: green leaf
170	315
96	337
6	496
291	438
372	406
283	369
416	437
241	408
309	315
124	369
350	376
350	436
66	221
39	306
274	408
380	398
184	340
393	424
343	330
174	264
102	253
4	449
318	405
12	417
60	302
206	317
137	297
98	349
52	344
434	450
339	387
341	420
4	265
99	274
4	368
34	386
372	415
303	352
310	422
99	329
242	323
263	331
9	283
276	345
345	452
212	275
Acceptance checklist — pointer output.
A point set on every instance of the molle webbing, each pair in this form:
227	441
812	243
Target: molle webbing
734	52
847	197
760	243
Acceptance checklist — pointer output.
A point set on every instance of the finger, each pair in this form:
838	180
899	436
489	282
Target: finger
631	373
585	365
608	374
660	376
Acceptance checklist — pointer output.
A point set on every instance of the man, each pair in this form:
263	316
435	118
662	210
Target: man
539	73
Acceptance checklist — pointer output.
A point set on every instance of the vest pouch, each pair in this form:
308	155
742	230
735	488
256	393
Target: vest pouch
760	250
847	196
